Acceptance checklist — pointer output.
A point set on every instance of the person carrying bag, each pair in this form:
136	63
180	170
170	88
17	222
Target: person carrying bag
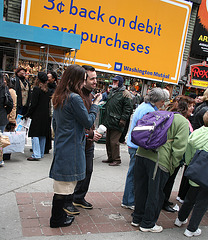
4	142
6	103
197	196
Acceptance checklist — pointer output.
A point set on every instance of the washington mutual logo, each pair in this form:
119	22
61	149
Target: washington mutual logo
118	66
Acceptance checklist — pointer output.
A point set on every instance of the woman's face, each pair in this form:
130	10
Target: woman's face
190	109
198	100
50	78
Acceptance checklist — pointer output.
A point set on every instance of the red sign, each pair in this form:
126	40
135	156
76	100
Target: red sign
199	72
199	75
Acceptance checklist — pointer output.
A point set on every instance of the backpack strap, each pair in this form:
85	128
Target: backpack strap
157	163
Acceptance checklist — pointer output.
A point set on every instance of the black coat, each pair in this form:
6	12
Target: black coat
39	113
118	107
198	115
52	88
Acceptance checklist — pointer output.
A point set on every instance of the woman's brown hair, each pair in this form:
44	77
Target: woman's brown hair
41	85
180	104
71	81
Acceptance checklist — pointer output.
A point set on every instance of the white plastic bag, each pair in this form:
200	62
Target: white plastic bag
17	140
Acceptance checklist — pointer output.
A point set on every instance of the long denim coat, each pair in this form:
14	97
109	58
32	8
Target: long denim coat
69	162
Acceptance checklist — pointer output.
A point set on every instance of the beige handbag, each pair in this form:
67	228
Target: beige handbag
4	140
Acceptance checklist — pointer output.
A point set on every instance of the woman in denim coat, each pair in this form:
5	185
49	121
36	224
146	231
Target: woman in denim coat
70	120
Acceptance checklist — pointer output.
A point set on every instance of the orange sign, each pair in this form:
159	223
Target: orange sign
134	38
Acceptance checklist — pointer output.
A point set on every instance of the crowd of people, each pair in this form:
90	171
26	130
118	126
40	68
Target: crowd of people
68	111
147	196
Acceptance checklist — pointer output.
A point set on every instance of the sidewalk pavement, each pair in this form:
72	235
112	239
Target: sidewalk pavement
26	194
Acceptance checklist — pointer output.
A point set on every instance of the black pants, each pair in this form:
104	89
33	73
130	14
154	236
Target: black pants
82	186
149	195
48	144
169	185
184	186
196	199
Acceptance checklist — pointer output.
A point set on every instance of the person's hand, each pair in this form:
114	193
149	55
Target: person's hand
122	123
13	126
96	136
97	98
24	117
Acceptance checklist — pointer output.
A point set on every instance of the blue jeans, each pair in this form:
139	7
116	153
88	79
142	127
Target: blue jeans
128	197
38	146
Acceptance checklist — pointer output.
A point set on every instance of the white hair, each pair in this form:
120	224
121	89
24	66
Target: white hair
156	94
166	94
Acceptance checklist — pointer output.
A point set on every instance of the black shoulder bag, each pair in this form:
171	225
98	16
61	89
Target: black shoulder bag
197	170
8	103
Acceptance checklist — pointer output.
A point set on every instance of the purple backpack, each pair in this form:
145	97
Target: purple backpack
150	131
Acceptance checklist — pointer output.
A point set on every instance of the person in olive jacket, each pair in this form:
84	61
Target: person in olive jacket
118	109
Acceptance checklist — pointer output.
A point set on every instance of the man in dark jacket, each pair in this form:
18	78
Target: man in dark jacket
23	91
118	109
81	189
52	82
199	111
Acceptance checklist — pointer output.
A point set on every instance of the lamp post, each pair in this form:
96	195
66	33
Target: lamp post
18	52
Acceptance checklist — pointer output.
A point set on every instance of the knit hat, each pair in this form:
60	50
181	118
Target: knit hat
42	77
19	69
120	79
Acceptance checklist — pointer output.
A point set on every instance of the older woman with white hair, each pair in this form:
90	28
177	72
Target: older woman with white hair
153	101
149	195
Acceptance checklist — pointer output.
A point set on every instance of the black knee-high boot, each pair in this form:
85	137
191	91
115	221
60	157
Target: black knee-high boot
59	218
69	207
